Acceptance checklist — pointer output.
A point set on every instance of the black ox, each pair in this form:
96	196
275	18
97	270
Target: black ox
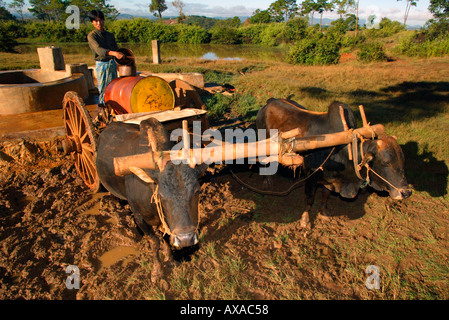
176	186
384	156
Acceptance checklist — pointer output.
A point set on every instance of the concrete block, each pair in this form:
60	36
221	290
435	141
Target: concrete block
51	58
81	68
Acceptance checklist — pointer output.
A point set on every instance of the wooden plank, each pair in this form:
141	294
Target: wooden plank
161	116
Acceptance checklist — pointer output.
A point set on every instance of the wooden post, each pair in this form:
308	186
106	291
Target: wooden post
156	52
345	128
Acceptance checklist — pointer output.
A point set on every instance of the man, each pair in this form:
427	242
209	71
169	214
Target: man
104	48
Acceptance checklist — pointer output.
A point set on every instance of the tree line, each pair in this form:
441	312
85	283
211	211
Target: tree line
308	43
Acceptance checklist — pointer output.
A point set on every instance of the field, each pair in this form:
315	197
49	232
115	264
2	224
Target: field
251	246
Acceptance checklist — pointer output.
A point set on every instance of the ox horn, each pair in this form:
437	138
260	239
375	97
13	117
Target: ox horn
141	174
150	160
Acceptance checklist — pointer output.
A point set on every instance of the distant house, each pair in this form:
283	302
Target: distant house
170	22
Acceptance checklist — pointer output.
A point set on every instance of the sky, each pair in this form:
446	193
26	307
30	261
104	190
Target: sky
392	9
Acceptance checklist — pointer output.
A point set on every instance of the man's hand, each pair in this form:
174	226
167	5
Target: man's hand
116	54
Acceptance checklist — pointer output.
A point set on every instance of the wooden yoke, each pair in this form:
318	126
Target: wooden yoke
335	139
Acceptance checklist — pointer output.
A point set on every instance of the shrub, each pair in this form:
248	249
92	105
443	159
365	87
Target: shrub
315	51
251	34
7	40
416	46
225	35
273	34
296	29
372	52
193	35
386	28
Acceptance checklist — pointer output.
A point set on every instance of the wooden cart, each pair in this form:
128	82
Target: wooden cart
170	103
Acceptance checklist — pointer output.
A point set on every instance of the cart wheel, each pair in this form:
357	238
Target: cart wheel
80	140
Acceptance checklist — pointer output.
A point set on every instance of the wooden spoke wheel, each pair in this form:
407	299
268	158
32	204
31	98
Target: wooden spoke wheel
81	139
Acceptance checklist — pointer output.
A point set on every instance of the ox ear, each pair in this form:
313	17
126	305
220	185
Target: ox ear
141	174
154	135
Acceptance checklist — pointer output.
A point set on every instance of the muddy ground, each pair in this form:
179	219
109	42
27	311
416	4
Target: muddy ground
251	246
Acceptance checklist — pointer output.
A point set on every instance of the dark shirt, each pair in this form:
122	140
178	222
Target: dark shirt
100	42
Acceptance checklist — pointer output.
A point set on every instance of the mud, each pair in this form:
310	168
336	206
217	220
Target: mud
49	221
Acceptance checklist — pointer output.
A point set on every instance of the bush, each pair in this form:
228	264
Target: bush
251	34
225	35
372	52
386	28
315	51
7	40
193	35
274	34
415	46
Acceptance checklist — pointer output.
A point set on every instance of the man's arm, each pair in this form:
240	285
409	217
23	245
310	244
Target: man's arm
100	51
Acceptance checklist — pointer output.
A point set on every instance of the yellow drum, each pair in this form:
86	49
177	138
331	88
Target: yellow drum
139	94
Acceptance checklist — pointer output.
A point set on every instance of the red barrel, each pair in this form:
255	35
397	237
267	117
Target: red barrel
139	94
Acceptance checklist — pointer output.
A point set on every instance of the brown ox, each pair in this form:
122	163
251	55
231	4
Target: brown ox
382	156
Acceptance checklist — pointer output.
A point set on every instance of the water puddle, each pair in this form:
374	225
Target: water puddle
214	56
115	255
92	207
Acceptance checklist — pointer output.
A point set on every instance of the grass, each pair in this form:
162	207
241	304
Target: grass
407	240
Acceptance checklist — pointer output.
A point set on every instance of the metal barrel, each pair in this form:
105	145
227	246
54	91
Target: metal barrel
139	94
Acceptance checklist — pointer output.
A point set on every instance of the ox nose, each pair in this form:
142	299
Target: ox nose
183	240
406	193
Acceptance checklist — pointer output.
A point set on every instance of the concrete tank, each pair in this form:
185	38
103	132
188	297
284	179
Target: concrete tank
32	90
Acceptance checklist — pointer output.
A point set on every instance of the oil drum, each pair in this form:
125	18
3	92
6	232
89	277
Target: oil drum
139	94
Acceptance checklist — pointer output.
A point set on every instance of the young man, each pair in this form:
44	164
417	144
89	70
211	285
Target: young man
104	48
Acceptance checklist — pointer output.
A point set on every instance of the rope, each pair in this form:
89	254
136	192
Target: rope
285	193
358	166
156	199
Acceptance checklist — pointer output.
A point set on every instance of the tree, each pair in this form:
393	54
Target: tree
323	6
259	16
439	9
345	6
178	4
4	16
18	5
283	10
307	9
320	6
157	7
409	5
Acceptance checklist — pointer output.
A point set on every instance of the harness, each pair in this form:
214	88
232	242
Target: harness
365	163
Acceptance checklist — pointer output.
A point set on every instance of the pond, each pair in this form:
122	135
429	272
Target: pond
172	51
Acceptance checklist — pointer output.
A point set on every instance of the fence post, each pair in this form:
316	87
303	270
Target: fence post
156	52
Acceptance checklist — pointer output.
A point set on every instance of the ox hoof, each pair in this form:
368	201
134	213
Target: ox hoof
324	217
305	221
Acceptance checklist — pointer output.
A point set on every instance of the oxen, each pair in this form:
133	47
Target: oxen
383	156
174	188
